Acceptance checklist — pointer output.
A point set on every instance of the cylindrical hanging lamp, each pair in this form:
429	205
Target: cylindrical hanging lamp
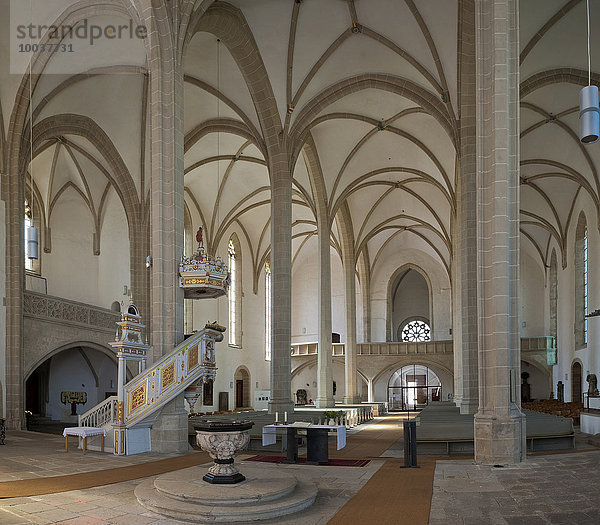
589	112
589	115
32	242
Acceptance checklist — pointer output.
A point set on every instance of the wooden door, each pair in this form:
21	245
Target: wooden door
239	393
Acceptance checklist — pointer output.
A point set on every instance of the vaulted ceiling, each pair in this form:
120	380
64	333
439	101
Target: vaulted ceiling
366	93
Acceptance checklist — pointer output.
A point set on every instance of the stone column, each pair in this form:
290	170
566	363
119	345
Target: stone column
166	204
139	235
325	355
365	293
465	228
281	284
371	392
499	423
348	261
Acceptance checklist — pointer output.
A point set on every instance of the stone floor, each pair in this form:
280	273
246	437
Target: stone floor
553	489
29	454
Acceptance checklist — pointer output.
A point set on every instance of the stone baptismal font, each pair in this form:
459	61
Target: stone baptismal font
222	439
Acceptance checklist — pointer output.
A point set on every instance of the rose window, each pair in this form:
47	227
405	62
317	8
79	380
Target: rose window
416	331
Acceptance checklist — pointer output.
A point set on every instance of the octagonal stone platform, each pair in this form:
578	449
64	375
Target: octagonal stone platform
265	494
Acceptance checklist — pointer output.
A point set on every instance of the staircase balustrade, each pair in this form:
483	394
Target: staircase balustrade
103	414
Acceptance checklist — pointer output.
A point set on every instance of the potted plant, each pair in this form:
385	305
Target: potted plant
331	416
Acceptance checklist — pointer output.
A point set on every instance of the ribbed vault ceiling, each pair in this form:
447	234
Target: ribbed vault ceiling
365	94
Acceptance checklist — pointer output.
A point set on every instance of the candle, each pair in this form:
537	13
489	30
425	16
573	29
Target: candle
285	417
276	417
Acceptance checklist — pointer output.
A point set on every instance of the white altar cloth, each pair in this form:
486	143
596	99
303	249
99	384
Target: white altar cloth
269	433
83	431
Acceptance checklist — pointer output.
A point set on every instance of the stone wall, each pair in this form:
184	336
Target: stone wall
52	324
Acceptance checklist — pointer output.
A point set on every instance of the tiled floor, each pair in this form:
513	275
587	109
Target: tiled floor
555	489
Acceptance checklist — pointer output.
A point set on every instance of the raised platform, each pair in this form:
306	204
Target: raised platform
442	429
590	422
182	495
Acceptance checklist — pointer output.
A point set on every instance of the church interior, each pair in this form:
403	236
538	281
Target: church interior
355	213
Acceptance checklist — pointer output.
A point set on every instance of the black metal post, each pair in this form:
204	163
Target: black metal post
410	444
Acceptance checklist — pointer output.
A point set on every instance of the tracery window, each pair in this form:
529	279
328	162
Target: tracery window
585	285
28	224
268	320
553	294
581	281
416	331
235	296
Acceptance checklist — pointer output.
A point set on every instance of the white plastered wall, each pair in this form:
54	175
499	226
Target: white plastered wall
533	294
395	257
411	300
70	372
567	351
251	354
72	270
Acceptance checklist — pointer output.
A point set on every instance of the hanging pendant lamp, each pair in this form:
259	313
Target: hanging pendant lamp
31	233
589	111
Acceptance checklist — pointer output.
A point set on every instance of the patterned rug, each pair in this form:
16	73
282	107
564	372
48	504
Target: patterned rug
330	463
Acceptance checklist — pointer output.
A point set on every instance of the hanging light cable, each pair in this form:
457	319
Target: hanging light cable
204	276
32	234
218	131
589	112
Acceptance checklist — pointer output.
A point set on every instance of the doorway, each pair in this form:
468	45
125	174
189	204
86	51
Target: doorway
239	393
413	387
242	388
576	382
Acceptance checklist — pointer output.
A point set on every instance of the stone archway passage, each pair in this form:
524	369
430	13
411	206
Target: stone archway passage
413	387
242	389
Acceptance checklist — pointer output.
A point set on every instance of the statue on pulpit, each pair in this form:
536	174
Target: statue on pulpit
592	385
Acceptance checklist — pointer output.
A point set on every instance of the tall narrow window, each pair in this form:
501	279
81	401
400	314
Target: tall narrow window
28	223
553	295
235	295
585	285
268	319
581	281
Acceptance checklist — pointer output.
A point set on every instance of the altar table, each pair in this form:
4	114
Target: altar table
316	440
84	432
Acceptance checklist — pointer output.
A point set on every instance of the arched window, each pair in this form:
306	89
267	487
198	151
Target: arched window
415	330
581	281
553	294
28	224
267	311
235	294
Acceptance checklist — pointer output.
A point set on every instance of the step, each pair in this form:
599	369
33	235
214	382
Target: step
300	498
185	485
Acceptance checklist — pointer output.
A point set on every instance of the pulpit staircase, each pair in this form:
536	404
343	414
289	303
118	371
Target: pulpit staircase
128	422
